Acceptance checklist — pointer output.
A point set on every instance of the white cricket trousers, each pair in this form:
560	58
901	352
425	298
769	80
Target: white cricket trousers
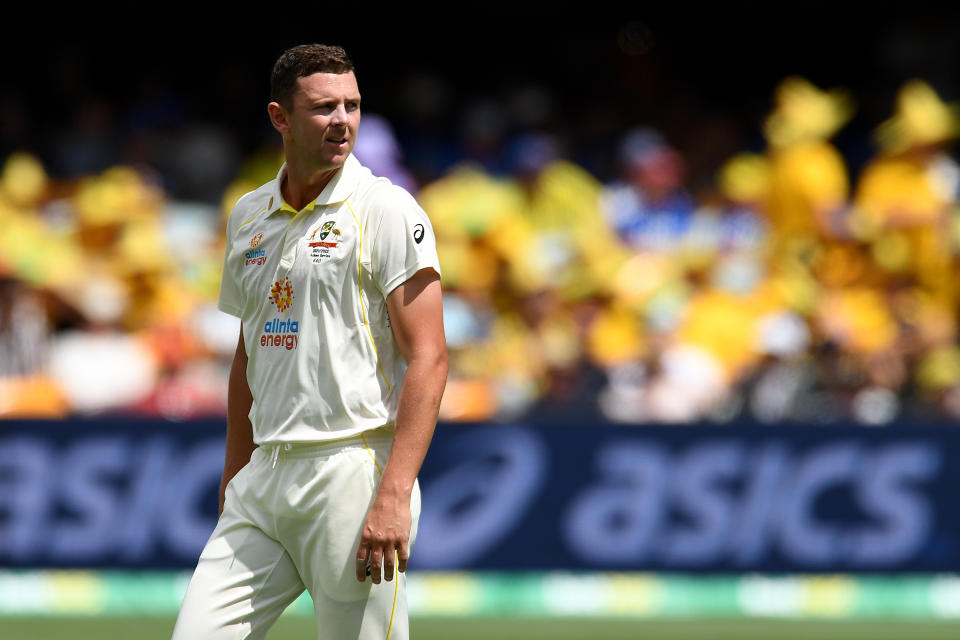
291	520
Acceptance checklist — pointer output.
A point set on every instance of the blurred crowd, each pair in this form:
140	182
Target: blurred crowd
787	290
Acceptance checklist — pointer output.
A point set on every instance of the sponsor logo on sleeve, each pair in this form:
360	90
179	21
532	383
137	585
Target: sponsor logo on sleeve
254	255
418	233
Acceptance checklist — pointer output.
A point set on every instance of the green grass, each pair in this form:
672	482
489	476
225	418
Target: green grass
289	628
606	629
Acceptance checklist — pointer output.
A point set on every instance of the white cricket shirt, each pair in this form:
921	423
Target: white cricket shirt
311	288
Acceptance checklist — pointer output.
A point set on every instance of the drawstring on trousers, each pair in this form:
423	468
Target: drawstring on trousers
275	454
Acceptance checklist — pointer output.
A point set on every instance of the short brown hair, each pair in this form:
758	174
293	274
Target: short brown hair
301	61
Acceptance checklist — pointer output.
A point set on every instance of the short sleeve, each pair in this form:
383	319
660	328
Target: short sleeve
404	242
231	296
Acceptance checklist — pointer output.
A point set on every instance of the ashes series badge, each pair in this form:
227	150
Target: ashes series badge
322	249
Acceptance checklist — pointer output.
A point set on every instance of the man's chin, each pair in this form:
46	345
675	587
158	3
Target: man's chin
334	162
341	157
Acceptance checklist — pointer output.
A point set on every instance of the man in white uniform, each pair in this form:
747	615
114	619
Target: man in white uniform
336	381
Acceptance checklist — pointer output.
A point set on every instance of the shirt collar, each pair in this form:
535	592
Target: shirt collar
343	183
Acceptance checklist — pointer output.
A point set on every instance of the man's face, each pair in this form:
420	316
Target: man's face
324	118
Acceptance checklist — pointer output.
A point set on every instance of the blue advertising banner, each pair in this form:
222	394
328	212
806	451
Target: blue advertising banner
113	493
692	499
108	493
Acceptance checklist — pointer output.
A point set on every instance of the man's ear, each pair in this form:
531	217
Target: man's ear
278	117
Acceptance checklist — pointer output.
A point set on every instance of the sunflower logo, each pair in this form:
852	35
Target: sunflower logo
255	240
281	294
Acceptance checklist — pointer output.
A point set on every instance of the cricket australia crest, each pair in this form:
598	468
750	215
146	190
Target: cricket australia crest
329	237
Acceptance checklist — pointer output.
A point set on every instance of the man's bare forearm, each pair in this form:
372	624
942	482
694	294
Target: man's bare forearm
385	536
416	419
239	430
416	311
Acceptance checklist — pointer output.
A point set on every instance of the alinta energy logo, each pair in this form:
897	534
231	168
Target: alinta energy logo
277	332
255	256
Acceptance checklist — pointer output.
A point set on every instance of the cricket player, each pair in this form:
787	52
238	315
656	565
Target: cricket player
335	385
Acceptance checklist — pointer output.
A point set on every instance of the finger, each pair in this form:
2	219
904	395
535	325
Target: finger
376	564
388	562
402	554
363	558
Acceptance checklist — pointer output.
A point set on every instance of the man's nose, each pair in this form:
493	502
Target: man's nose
339	115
